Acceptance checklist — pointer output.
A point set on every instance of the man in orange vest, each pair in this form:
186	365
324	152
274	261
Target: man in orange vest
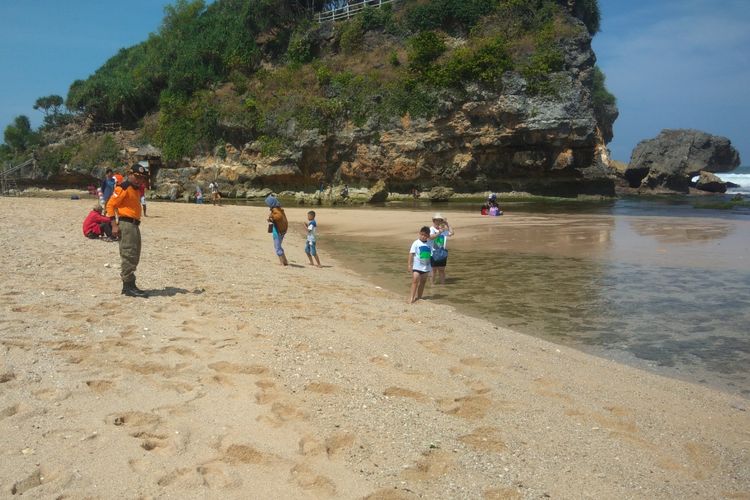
124	208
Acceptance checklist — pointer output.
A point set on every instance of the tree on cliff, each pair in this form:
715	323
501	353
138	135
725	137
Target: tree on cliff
50	106
19	136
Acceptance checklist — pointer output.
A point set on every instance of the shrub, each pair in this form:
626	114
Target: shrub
352	34
600	96
588	12
485	63
186	126
546	59
449	15
394	60
50	159
300	48
270	146
424	48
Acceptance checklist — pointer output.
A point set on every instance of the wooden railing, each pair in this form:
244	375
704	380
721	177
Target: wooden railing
8	175
336	10
106	127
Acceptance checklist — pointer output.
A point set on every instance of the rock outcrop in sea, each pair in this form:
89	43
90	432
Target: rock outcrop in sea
669	161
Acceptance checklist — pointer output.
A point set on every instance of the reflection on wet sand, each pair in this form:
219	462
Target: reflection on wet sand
632	288
681	230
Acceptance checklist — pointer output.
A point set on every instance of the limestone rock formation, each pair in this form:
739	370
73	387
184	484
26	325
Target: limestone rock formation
669	161
711	183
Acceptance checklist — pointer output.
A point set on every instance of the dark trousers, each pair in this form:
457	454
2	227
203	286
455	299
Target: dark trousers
130	250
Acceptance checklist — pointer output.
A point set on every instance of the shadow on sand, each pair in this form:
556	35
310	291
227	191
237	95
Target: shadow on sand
170	291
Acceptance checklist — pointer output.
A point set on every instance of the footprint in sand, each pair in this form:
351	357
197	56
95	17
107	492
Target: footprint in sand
484	439
470	407
39	477
133	419
99	386
339	442
246	454
404	393
151	441
9	411
502	494
322	388
227	367
311	446
307	479
436	346
390	494
433	464
268	392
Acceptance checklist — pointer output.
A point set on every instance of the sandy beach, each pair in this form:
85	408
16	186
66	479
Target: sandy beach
238	378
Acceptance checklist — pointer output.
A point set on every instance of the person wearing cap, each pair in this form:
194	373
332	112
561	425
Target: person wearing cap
439	233
124	208
278	226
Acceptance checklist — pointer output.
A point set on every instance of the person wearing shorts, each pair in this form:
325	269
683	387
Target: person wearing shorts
312	237
419	263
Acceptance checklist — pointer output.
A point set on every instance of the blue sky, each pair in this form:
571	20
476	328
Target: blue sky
670	63
677	64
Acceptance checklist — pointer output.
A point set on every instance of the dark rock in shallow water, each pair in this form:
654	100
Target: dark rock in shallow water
711	183
670	160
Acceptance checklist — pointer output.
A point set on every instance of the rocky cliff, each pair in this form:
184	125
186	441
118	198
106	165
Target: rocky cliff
510	138
502	141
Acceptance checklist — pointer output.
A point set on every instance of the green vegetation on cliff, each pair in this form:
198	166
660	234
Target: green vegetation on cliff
261	71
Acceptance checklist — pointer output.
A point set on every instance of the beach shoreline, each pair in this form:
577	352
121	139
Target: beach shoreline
238	375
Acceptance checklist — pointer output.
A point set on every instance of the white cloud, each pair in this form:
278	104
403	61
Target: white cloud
678	65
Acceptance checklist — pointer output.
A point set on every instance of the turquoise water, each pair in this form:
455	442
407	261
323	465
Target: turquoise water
681	309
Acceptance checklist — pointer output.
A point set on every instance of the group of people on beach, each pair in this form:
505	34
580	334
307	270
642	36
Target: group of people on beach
278	226
97	224
213	187
122	204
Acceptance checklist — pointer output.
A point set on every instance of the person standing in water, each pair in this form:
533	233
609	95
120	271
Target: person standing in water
439	233
419	263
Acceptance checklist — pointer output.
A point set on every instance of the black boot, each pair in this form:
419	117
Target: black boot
131	290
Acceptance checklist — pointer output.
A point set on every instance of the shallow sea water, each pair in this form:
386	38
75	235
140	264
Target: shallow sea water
667	294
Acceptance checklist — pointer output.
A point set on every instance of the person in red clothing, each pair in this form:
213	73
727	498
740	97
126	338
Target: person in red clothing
96	225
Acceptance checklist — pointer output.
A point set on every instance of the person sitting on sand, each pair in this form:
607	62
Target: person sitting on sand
96	225
419	263
278	226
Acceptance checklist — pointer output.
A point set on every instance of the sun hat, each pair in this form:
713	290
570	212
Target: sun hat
437	215
138	169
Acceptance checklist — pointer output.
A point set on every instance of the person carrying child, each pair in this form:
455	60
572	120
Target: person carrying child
277	225
312	237
419	263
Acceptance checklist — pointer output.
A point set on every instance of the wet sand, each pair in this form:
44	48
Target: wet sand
239	378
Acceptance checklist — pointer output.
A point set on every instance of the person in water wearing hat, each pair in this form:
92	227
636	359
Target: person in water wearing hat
278	226
439	233
124	208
